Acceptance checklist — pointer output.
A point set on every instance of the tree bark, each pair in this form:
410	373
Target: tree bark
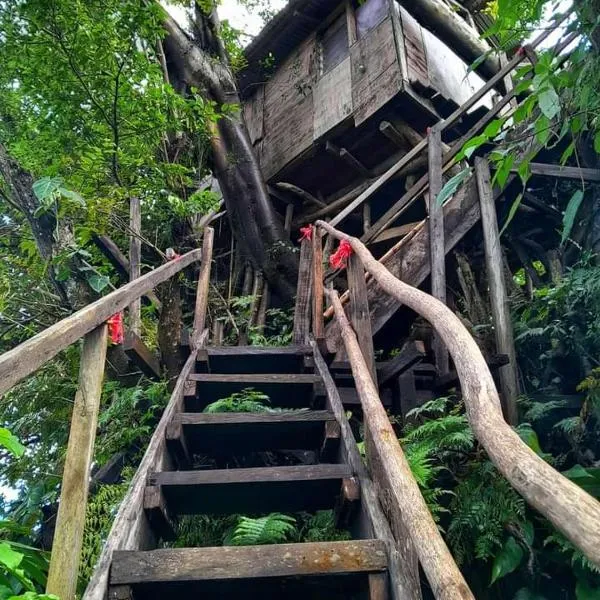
254	222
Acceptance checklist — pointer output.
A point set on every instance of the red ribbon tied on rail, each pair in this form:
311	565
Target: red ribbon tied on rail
306	233
116	331
339	259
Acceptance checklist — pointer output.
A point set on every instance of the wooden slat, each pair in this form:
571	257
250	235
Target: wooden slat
256	378
203	285
563	172
406	358
302	309
265	351
135	257
68	536
503	330
437	250
252	490
32	354
249	562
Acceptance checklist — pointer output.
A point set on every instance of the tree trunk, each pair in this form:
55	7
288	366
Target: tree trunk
254	222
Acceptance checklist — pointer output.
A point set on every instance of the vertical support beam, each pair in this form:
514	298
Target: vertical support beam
289	213
351	23
135	255
317	312
437	249
508	82
203	285
359	312
366	217
500	312
303	294
68	536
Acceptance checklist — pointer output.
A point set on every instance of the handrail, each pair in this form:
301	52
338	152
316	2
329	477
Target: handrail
443	125
29	356
567	506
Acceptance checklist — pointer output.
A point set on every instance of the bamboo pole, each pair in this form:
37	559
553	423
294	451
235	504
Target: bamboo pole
446	580
68	536
567	506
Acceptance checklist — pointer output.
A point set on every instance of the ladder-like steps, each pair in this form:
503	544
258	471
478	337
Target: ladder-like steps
285	390
251	490
188	572
254	359
230	434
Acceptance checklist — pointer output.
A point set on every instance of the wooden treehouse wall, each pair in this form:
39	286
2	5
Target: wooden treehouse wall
357	62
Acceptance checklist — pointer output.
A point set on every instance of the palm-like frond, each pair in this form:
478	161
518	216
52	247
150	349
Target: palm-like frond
275	528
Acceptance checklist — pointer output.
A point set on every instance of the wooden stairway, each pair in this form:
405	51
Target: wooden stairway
206	463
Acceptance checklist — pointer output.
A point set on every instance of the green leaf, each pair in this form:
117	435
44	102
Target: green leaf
471	145
451	186
507	560
46	187
511	213
11	443
587	479
71	195
584	590
98	282
542	129
8	557
503	170
549	102
597	142
567	153
493	128
524	171
570	214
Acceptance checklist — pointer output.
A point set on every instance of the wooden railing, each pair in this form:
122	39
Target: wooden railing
89	323
570	509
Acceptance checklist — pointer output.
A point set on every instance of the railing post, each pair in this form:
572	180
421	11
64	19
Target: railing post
68	536
503	330
135	251
437	252
317	278
203	285
303	294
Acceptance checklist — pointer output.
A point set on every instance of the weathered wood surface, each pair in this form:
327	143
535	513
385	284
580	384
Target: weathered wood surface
376	76
202	289
416	57
68	535
410	354
403	567
393	475
130	529
252	490
378	586
359	312
141	356
244	351
369	15
503	330
135	259
568	507
255	378
302	308
332	99
32	354
563	172
318	325
437	249
249	562
254	114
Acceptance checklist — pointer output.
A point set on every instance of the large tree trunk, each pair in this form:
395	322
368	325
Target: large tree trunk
254	222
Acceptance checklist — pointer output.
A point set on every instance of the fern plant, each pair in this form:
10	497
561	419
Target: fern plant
248	400
275	528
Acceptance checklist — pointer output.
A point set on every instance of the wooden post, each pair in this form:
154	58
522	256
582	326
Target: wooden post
359	312
289	213
68	536
317	261
437	249
135	255
303	294
203	284
495	273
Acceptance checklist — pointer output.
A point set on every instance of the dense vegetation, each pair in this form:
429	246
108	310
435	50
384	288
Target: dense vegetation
89	118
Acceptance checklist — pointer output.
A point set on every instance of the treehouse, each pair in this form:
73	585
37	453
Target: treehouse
336	92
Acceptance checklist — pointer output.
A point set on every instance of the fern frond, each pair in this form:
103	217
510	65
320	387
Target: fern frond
275	528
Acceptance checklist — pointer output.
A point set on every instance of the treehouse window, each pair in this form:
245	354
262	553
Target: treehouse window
334	44
369	14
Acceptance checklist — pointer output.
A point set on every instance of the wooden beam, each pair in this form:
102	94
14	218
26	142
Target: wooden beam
68	536
318	329
563	172
503	331
202	289
302	194
351	23
359	312
139	354
410	354
135	257
393	473
287	222
395	232
32	354
437	251
392	134
302	308
349	159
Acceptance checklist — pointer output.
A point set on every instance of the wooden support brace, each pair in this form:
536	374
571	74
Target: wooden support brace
410	354
348	502
141	356
349	159
378	586
302	309
331	442
177	446
317	282
156	510
203	285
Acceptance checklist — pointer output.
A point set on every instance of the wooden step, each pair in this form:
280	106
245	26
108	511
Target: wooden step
335	569
251	491
230	434
290	390
253	359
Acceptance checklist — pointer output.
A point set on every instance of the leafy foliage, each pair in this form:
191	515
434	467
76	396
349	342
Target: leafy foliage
275	528
248	400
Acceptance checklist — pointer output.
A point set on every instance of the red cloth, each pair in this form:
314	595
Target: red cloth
339	259
116	331
306	233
